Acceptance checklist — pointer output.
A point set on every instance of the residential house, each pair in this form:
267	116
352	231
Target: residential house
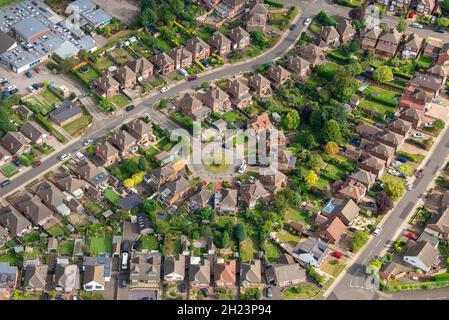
107	153
240	38
199	273
330	36
5	156
144	224
259	123
24	112
94	278
126	77
199	48
424	6
422	256
439	72
9	275
438	225
35	133
217	100
278	75
201	199
331	230
174	191
344	208
96	176
443	54
260	85
299	67
364	177
251	193
145	269
369	38
282	275
124	142
350	189
15	143
374	165
346	31
34	210
142	68
182	57
67	112
388	44
13	222
71	184
131	201
194	108
66	277
392	139
164	63
174	267
251	273
230	9
433	49
53	198
416	98
257	22
274	181
220	44
400	127
106	86
368	131
286	160
141	131
428	83
413	116
225	273
240	96
382	152
311	251
412	46
35	277
162	175
226	200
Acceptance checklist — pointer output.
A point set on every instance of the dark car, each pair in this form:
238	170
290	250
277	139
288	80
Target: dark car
182	287
419	174
205	292
370	204
191	78
269	292
29	74
14	91
352	229
439	29
5	94
398	14
137	244
5	183
61	297
292	26
402	159
130	107
17	163
45	296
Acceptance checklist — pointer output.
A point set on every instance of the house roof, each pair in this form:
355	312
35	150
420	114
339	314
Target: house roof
106	81
393	37
334	226
257	19
237	88
66	111
130	202
145	266
314	246
50	193
125	73
373	33
140	65
438	71
202	197
14	142
34	209
329	33
36	276
138	128
67	276
216	94
259	123
259	8
255	190
392	137
219	40
32	131
229	198
278	72
190	102
346	208
178	186
94	273
440	222
69	183
364	177
286	272
107	148
90	172
175	264
413	113
13	221
414	41
237	34
345	28
374	162
8	275
367	131
122	139
423	251
225	271
425	81
162	60
383	150
286	258
197	45
200	273
251	272
258	81
401	124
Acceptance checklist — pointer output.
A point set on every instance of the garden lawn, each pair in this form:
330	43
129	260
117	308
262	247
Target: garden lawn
221	221
333	267
9	170
295	215
289	238
120	100
149	242
93	207
56	230
302	292
372	105
12	258
98	245
424	62
43	102
112	196
91	75
248	249
380	92
104	63
75	127
156	81
173	245
232	117
388	177
65	249
272	253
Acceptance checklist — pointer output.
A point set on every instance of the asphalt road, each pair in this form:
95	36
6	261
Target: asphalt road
353	283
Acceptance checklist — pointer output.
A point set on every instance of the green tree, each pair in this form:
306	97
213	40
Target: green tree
107	31
402	25
148	16
439	124
149	206
251	294
83	55
315	162
310	142
291	120
359	239
324	19
383	74
162	226
143	163
443	22
239	232
259	39
394	188
224	239
163	104
332	132
311	177
384	27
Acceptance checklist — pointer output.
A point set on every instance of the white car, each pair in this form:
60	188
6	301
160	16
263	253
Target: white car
393	172
184	72
428	125
11	88
252	179
433	20
88	142
80	155
164	89
64	156
308	21
242	169
377	231
31	89
409	187
418	135
417	25
391	8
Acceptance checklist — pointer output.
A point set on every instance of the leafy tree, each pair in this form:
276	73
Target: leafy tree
239	232
443	22
128	183
394	188
162	226
324	19
65	65
383	74
149	206
384	203
291	120
143	163
311	177
355	68
343	84
166	14
316	119
83	55
315	162
359	239
144	4
439	124
107	31
251	294
163	104
331	148
310	142
148	16
402	25
224	243
138	177
206	214
376	263
306	112
5	125
384	27
358	24
357	13
259	39
331	131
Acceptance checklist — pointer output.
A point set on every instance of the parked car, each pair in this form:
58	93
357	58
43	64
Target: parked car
269	292
292	26
433	20
61	297
428	125
64	156
419	174
75	297
80	155
130	107
377	231
391	8
411	235
417	25
5	94
37	163
182	287
439	29
398	14
164	89
30	89
29	74
205	292
370	204
418	135
5	183
192	78
393	172
402	159
14	91
88	142
308	21
184	72
17	163
337	254
252	179
45	296
353	229
205	63
37	69
409	187
4	82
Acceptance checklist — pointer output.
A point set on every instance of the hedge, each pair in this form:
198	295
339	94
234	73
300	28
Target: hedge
273	3
48	126
347	4
403	75
338	57
417	286
381	100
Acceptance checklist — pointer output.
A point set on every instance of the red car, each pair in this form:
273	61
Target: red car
191	78
419	174
337	254
411	14
37	69
411	235
37	164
